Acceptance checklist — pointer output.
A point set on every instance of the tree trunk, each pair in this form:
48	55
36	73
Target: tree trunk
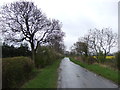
33	55
33	58
33	52
97	58
105	54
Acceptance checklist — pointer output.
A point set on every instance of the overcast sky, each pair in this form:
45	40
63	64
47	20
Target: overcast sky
78	16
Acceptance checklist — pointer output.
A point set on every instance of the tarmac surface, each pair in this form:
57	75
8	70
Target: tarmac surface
74	76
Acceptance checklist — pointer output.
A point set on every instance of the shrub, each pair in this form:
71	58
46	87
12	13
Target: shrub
83	58
15	71
117	58
101	57
45	56
91	60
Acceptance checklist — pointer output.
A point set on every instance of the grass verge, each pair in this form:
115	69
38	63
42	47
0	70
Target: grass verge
46	77
103	71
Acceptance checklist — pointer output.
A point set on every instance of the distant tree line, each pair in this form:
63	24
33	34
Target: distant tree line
96	43
11	51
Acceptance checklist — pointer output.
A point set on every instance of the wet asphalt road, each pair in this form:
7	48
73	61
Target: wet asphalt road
73	76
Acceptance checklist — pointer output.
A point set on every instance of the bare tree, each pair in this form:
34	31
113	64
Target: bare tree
24	21
102	41
55	40
72	50
81	48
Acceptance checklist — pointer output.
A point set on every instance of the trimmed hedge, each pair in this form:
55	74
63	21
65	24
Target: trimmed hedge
16	71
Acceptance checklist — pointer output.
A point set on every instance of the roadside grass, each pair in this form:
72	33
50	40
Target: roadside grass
103	71
46	77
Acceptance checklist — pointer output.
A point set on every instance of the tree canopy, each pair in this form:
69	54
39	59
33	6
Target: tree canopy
23	21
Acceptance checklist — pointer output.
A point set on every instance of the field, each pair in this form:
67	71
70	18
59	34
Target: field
107	57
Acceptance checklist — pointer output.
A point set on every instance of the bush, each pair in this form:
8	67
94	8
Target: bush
91	60
83	58
45	56
117	58
15	71
101	57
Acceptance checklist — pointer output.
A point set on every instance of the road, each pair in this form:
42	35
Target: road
73	76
